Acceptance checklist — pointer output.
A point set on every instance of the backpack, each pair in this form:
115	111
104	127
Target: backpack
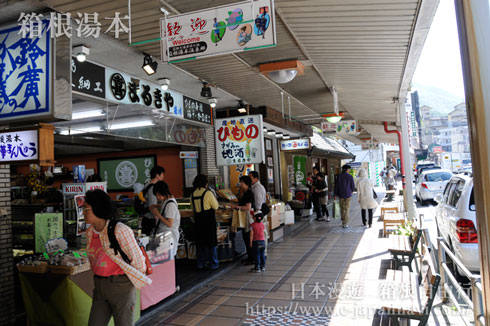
265	209
140	206
111	234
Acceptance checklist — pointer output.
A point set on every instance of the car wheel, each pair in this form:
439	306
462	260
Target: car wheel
454	269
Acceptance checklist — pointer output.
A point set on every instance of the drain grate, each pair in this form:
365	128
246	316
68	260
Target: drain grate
286	319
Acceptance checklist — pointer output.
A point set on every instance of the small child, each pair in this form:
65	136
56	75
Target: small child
257	242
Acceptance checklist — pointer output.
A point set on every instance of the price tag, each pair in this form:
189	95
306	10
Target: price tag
76	254
45	254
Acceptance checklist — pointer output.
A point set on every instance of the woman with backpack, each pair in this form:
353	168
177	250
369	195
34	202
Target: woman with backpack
115	280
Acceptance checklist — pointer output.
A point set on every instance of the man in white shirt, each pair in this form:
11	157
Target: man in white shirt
258	190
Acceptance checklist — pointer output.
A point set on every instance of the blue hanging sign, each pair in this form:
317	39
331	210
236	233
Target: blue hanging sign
25	64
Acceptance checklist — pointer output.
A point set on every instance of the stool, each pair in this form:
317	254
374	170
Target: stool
393	209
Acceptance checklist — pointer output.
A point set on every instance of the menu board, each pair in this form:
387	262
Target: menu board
87	78
123	172
47	226
197	111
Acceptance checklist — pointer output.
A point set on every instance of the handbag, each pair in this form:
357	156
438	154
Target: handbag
336	209
375	195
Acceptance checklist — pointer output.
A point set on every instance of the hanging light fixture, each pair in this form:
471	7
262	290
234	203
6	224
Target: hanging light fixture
206	90
241	107
286	137
283	71
333	117
149	66
271	132
279	134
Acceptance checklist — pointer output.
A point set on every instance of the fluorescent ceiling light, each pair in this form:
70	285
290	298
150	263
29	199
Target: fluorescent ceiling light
286	137
242	110
279	134
78	131
271	132
131	124
87	114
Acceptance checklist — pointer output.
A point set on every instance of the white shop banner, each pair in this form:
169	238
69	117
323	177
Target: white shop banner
347	127
19	146
231	28
328	127
239	140
121	88
295	144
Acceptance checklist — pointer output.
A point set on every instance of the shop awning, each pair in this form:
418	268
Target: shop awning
327	146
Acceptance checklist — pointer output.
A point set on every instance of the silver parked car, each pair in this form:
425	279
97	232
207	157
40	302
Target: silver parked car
456	220
431	183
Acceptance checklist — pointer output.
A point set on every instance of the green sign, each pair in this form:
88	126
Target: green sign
47	226
123	172
299	163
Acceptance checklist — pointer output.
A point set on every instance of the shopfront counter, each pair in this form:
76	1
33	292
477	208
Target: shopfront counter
53	299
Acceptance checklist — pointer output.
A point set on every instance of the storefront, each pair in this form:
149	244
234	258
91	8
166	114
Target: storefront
299	156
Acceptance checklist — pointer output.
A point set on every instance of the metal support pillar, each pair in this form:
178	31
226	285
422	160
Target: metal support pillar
473	18
408	191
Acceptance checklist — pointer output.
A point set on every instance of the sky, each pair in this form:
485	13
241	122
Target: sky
440	62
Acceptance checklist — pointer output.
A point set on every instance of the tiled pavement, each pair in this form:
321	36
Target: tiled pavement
335	273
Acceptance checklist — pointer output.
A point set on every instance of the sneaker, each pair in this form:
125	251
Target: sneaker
319	219
345	226
255	270
262	269
328	219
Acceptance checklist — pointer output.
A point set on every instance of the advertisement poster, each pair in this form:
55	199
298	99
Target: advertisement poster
347	127
239	140
122	173
295	144
299	163
47	226
18	145
328	127
231	28
81	225
236	171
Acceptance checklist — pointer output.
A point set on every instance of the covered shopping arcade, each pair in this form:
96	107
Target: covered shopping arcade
367	50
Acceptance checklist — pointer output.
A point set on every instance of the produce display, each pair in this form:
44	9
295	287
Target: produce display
68	263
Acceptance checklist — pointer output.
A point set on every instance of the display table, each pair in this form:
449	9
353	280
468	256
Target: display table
162	286
53	299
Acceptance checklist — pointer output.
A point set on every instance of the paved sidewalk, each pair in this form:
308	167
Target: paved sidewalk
321	275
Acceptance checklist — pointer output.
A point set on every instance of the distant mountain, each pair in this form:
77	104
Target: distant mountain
441	101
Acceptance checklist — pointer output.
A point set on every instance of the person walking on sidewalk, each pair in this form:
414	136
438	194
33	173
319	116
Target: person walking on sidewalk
245	204
344	187
315	195
365	193
320	191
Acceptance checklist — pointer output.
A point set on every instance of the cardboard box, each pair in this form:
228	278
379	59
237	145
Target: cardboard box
277	234
289	217
274	220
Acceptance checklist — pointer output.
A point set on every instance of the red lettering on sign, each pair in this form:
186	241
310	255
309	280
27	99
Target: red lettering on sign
252	131
237	133
223	133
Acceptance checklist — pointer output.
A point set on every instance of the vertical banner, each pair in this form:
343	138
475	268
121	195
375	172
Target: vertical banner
239	140
299	163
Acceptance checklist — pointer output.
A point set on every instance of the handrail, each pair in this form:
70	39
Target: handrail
475	303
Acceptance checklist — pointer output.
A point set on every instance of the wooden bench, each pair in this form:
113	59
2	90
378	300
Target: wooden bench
392	209
415	294
403	248
392	220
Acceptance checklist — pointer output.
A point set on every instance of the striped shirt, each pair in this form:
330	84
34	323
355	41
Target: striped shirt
125	237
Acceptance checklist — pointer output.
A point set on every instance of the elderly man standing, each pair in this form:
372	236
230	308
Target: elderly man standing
344	187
